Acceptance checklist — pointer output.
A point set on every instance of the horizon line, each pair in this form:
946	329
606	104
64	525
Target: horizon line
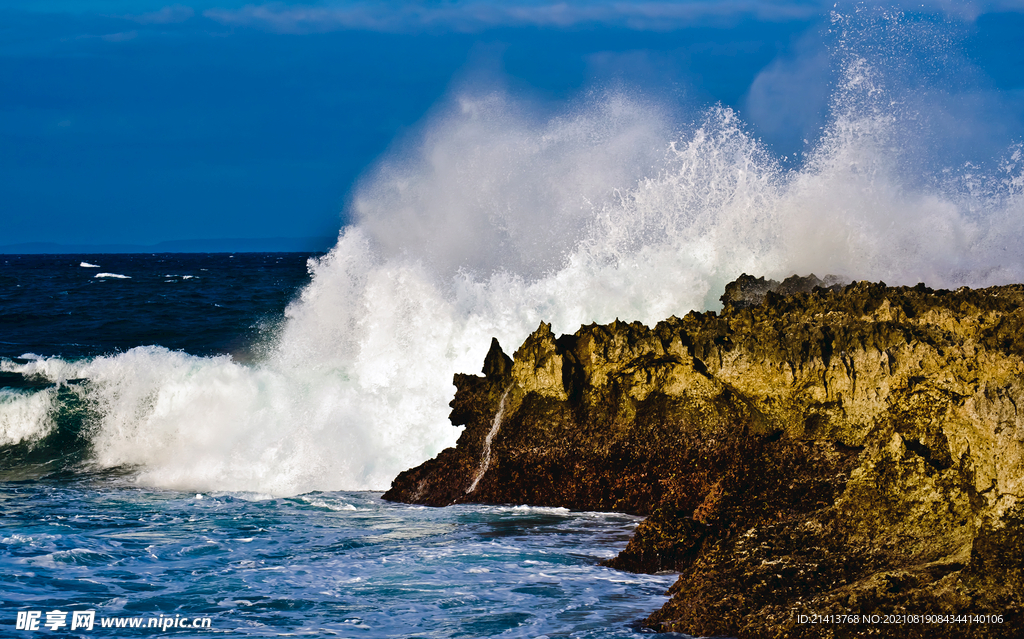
308	244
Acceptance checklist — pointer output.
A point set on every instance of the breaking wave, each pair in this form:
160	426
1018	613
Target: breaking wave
495	219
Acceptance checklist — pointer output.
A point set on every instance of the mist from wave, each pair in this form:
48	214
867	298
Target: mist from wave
495	218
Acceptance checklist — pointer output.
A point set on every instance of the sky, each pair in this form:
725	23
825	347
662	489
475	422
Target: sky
139	122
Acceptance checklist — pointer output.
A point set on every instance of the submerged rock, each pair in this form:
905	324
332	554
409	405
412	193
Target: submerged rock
813	449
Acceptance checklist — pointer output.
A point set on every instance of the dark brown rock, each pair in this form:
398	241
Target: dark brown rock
747	290
813	449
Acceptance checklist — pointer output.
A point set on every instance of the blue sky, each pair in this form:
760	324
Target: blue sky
140	122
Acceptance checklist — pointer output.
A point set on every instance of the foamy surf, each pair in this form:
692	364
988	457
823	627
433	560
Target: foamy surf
495	220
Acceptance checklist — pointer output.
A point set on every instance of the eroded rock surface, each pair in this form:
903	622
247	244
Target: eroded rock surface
848	450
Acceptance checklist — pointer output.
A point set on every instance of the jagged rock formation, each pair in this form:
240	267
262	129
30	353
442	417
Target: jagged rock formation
747	290
849	450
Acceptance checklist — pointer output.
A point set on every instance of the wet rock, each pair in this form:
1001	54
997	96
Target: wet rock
747	290
812	449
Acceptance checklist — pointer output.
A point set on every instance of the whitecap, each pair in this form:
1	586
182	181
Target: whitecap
26	417
494	219
330	505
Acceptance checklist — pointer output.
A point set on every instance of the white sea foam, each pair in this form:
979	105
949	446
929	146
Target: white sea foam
51	368
117	276
496	219
523	509
25	417
88	265
330	504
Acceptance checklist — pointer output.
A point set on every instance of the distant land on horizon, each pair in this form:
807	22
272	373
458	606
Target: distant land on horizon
222	245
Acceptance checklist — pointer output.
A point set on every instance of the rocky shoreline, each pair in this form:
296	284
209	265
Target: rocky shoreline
814	449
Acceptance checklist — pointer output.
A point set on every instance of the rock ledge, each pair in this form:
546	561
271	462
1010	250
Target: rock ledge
842	450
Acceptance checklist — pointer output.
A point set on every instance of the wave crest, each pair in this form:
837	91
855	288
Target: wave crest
495	219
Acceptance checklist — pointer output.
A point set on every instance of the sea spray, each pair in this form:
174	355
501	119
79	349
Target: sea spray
485	459
495	219
25	416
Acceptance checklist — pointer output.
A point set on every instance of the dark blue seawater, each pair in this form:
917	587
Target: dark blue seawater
84	538
201	303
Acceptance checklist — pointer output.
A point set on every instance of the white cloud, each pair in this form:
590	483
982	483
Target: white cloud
790	96
167	15
123	36
477	15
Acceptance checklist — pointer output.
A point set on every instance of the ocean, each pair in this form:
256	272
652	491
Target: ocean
78	535
206	437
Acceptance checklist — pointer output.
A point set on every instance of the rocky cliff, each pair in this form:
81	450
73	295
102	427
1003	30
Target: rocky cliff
852	450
